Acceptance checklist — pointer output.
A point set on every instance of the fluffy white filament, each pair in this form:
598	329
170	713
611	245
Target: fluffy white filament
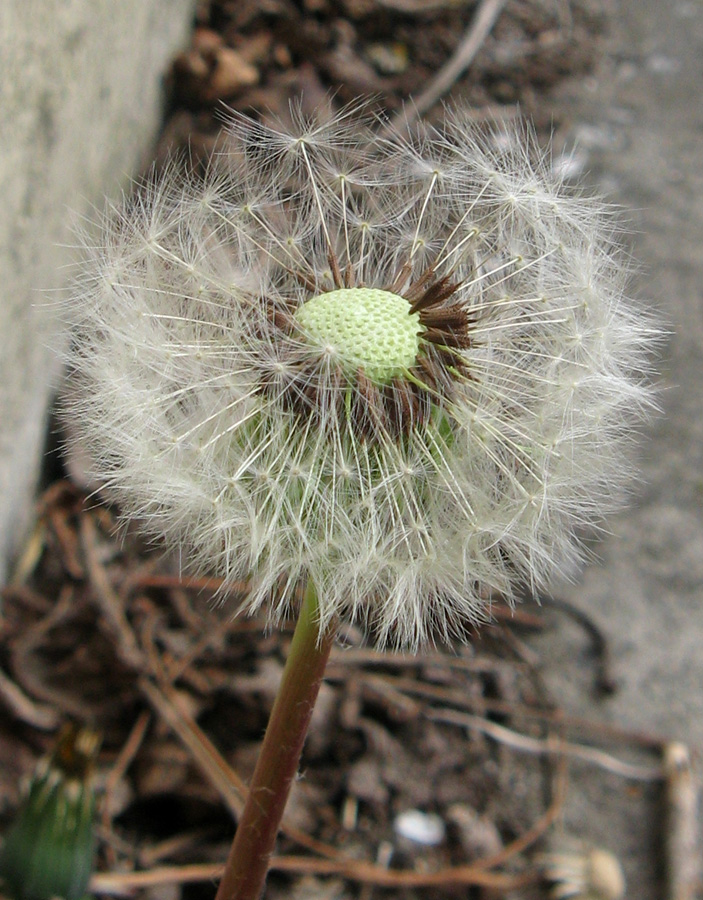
235	439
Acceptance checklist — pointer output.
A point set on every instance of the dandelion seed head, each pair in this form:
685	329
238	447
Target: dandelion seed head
364	327
405	368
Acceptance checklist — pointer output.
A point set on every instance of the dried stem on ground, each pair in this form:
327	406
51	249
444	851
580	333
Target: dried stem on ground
682	833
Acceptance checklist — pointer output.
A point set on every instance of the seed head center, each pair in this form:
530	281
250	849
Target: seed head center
364	327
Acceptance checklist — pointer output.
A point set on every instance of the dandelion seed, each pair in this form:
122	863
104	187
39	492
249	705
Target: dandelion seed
404	370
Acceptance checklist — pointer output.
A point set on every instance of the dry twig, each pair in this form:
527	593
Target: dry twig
223	778
540	746
45	718
116	774
356	870
471	43
682	852
109	602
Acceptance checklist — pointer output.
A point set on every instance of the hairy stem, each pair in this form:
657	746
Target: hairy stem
277	766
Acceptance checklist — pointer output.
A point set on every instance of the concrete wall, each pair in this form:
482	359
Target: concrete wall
80	101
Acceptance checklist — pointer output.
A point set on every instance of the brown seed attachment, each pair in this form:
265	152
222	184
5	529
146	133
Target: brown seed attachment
395	409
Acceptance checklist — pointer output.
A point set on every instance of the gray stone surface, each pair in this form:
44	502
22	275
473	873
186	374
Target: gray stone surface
80	102
639	126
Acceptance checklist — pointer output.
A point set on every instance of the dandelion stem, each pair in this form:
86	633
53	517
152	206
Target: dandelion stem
245	871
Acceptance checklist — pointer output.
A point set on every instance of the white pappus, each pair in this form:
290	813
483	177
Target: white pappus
405	368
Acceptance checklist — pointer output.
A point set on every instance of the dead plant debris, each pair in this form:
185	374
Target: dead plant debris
425	775
258	57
